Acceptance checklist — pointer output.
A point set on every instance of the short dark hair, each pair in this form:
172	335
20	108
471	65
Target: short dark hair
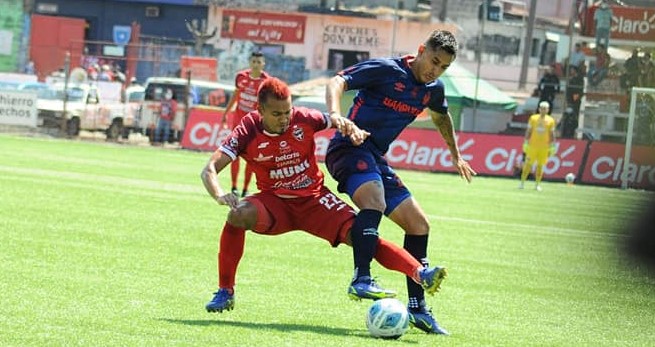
442	39
272	87
256	54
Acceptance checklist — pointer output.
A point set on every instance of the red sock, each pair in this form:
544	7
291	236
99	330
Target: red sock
246	180
396	258
231	246
234	171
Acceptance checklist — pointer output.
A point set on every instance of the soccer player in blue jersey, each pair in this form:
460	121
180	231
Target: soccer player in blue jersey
391	93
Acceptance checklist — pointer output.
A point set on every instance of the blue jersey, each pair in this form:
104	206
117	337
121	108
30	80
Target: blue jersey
388	100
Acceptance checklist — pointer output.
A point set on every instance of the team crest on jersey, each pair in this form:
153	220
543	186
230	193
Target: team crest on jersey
362	165
399	87
234	143
299	134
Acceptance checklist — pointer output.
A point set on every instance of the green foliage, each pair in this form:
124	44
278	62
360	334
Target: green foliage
105	244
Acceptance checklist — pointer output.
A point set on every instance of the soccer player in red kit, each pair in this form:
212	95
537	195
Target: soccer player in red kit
277	141
247	83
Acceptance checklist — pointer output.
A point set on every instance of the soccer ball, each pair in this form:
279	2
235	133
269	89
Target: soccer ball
387	319
569	178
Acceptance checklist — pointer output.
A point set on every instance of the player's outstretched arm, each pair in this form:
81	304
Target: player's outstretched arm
209	176
444	123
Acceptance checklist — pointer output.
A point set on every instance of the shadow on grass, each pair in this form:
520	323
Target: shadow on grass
278	326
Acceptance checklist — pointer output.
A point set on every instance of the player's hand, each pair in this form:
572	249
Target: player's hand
346	127
228	199
465	170
525	146
552	150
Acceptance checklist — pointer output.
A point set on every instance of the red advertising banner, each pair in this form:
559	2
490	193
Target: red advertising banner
201	68
263	26
605	165
488	154
628	23
203	129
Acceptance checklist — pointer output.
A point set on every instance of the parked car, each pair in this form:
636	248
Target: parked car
200	94
88	106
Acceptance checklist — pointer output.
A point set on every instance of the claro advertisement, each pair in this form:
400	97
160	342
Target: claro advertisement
489	154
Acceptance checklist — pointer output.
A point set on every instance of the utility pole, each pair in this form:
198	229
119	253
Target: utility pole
528	44
485	10
64	116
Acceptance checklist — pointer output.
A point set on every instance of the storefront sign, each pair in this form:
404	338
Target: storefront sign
263	26
351	36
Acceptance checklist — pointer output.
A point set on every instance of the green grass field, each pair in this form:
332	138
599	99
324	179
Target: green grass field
115	245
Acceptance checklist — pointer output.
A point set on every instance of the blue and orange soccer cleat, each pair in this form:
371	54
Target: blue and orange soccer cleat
422	318
222	300
431	278
365	288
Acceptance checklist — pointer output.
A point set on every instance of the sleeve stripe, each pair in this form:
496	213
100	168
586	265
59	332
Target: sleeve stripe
228	151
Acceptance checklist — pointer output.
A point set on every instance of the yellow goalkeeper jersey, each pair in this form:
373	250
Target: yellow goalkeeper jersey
542	128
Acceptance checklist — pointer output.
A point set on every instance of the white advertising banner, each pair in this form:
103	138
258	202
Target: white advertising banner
18	108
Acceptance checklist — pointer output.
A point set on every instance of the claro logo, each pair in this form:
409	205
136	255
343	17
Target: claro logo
641	26
608	168
205	134
413	153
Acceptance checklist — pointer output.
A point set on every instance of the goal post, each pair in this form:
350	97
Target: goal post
642	104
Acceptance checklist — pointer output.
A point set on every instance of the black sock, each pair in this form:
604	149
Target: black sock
417	246
364	237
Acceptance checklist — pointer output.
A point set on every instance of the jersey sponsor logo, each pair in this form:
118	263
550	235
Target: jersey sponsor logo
262	157
289	171
400	106
301	182
426	99
286	157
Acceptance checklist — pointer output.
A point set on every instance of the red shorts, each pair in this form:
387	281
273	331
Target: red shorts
325	216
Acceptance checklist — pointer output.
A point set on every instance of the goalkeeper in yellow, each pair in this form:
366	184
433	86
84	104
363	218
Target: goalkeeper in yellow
539	144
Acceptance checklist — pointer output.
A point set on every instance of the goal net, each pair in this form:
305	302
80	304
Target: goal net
641	126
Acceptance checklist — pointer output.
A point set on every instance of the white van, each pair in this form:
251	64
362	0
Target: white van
200	94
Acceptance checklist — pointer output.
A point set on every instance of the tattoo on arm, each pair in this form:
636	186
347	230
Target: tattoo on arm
444	123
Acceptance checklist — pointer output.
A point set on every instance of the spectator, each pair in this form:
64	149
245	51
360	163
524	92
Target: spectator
599	69
167	110
632	70
577	57
603	22
574	93
548	87
647	74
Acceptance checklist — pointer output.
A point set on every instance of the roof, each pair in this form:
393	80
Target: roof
461	86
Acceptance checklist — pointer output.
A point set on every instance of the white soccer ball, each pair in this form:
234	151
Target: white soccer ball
387	319
570	177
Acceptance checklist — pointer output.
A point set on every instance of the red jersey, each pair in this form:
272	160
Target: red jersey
167	109
247	87
284	164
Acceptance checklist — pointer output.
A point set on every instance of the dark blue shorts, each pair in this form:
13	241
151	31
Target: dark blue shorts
353	166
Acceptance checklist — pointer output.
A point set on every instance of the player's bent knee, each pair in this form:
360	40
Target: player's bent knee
244	216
